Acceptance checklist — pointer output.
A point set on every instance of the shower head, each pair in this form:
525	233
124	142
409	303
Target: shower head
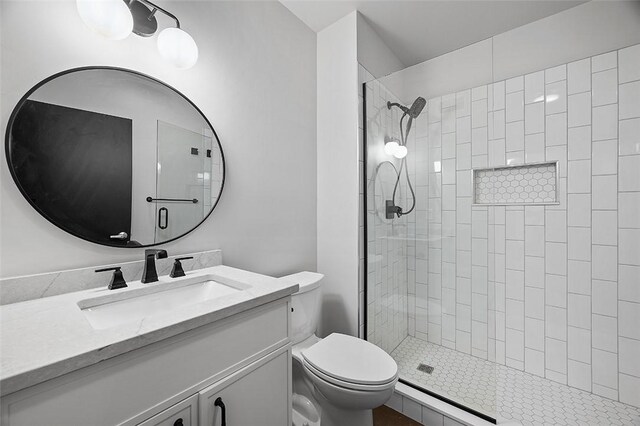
415	109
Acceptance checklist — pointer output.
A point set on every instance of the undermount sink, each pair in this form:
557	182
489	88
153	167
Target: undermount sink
152	299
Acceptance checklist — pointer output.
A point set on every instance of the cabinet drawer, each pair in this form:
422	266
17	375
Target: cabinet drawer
184	413
257	395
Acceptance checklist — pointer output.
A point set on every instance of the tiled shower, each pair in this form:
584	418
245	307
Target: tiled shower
520	267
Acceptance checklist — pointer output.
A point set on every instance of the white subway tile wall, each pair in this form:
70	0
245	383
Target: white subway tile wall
559	283
551	290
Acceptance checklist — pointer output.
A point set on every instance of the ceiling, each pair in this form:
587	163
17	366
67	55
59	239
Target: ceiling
420	30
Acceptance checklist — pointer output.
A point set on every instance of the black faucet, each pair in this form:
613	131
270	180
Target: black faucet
149	273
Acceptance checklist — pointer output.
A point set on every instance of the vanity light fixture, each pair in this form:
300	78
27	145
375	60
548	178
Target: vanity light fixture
109	18
178	47
116	19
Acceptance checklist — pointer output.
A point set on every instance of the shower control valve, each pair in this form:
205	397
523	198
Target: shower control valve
392	209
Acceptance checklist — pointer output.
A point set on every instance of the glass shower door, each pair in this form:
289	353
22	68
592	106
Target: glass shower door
183	179
387	248
428	300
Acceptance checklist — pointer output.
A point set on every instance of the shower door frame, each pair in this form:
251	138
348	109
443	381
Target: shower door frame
365	269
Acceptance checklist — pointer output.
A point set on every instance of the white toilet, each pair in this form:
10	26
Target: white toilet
337	380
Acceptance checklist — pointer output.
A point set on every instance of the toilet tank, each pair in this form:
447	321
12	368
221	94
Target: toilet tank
305	305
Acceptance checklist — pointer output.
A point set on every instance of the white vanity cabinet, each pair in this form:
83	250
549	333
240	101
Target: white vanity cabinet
245	359
184	413
250	397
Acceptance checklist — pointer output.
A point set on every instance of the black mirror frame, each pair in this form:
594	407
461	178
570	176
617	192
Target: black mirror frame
24	98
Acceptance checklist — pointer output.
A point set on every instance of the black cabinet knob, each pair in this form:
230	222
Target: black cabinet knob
178	423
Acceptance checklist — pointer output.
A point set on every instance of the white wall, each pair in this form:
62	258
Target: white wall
373	54
343	47
255	81
338	175
586	30
451	72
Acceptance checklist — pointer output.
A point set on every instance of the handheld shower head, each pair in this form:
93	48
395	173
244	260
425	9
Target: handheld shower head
413	112
417	107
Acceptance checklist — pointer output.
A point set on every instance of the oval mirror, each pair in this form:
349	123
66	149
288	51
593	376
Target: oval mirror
115	157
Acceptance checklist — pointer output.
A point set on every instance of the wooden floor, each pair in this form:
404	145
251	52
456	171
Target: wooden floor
385	416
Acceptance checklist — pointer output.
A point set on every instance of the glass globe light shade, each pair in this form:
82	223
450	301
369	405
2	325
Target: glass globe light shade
391	147
109	18
401	151
178	47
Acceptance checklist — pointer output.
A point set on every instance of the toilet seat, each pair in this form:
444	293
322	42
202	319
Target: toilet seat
344	384
350	363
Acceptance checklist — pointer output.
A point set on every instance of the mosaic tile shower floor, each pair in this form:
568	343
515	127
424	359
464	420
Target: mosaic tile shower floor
508	393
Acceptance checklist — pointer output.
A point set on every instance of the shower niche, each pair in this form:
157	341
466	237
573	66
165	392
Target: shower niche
527	184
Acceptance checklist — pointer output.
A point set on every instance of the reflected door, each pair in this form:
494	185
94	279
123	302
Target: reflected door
76	167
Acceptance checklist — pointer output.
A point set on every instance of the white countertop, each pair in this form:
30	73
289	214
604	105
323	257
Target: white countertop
45	338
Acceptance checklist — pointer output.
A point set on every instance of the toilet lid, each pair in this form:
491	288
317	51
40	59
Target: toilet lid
351	360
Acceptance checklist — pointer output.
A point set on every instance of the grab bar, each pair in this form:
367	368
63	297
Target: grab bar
182	200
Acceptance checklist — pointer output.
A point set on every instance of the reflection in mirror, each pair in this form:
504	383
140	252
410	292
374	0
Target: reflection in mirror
115	157
193	177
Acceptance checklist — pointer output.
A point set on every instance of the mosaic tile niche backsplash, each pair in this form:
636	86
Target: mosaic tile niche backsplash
552	290
528	184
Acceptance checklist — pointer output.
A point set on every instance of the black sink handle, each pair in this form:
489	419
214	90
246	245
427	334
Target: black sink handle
177	270
117	280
